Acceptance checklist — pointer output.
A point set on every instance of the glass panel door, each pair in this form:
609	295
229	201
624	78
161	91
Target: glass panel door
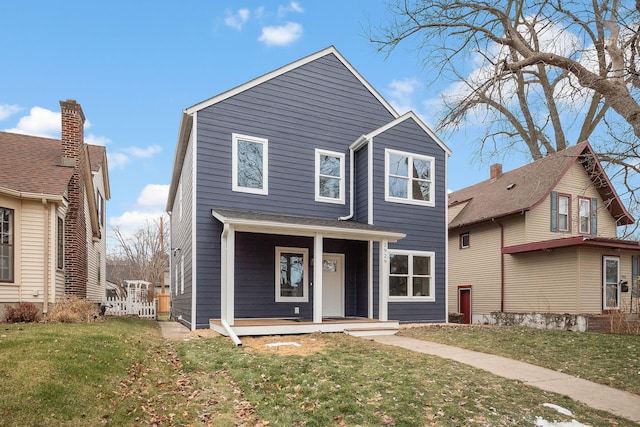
611	283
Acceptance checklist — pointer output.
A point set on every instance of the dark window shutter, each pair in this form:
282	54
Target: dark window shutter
554	211
594	216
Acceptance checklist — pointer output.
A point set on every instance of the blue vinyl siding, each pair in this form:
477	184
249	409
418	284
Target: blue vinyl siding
361	196
255	275
181	228
423	225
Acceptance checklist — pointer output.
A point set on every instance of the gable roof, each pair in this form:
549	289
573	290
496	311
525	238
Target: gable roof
187	115
409	116
524	188
97	160
24	174
331	50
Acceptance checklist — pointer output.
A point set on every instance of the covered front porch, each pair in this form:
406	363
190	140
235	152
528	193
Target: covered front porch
283	274
357	326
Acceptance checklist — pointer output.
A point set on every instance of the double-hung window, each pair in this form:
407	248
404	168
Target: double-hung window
564	212
6	245
249	169
411	275
584	221
292	276
329	176
409	178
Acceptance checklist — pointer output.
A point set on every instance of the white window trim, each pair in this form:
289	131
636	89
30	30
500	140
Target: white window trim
265	164
432	285
605	305
567	213
181	274
409	201
305	274
589	214
341	156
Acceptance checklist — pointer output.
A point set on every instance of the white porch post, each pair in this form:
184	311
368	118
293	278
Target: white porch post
383	311
227	273
317	277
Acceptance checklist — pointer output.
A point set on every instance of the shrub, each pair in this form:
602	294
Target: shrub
24	312
456	318
72	310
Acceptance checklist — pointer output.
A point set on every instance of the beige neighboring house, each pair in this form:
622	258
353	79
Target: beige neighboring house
53	195
541	239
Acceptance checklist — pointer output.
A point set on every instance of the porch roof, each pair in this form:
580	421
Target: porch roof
545	245
263	222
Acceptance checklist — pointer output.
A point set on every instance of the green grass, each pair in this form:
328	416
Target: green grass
355	382
609	359
120	372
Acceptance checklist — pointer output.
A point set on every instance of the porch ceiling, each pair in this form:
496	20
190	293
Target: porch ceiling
262	222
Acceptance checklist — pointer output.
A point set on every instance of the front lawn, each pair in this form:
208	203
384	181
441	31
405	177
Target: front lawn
609	359
120	372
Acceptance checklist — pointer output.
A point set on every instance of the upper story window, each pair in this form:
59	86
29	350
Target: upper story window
292	277
464	240
584	221
329	176
409	178
6	245
564	212
100	206
411	275
250	164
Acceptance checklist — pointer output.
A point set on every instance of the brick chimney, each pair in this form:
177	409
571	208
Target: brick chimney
496	171
75	235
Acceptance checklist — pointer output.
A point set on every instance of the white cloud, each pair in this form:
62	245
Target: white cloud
282	35
39	122
401	93
294	6
117	160
150	206
143	153
237	20
7	110
154	196
92	139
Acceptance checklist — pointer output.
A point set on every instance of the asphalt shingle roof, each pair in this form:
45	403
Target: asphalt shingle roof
523	188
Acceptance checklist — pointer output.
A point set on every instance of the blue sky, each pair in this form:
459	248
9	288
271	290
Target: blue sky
135	65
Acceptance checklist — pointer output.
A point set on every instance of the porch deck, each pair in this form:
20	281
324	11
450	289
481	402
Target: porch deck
359	326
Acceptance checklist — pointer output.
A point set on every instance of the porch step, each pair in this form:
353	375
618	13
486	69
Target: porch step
370	332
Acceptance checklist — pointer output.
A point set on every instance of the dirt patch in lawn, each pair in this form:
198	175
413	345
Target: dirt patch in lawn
296	345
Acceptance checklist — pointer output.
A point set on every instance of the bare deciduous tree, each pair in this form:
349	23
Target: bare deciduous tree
142	255
541	75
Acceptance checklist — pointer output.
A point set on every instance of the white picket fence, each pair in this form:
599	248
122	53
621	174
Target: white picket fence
128	307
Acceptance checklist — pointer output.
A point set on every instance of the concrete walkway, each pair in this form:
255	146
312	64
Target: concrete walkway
598	396
173	330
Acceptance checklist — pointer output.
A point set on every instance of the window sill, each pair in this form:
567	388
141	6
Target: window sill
412	299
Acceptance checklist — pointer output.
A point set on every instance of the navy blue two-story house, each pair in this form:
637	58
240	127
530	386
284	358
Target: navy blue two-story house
301	201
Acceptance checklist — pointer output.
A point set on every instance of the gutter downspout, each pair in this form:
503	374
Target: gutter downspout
352	149
47	254
232	334
501	264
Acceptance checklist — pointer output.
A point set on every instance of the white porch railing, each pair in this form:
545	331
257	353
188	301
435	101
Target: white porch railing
127	307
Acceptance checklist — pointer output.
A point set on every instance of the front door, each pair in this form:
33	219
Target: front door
611	283
465	303
332	285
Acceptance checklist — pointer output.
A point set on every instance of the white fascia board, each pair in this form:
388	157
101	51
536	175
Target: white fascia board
266	77
405	116
31	196
270	227
186	126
